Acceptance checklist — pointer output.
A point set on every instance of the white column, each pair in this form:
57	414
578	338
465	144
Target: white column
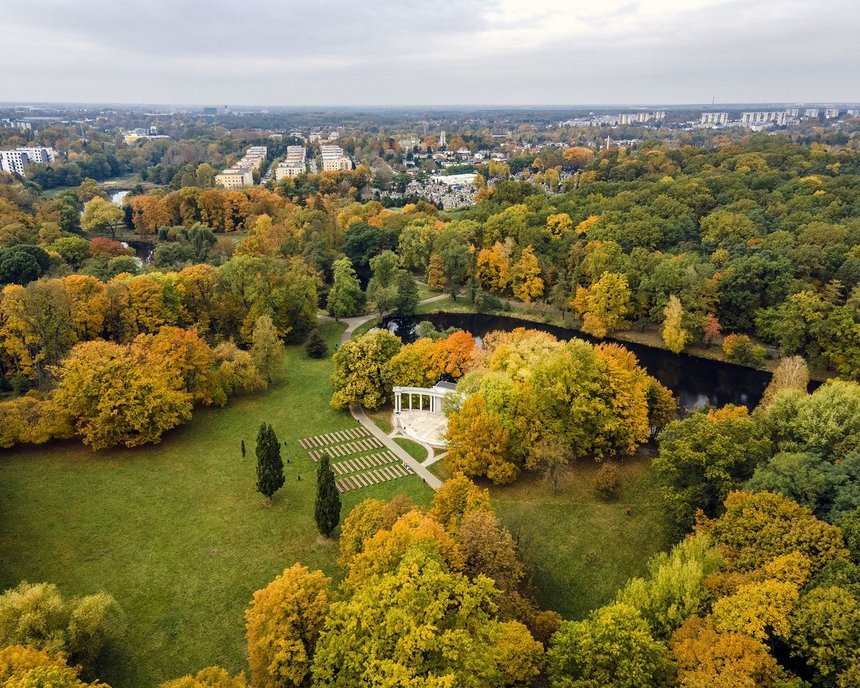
420	402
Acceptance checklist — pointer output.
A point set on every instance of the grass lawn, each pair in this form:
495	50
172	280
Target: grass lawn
176	531
439	469
415	450
425	292
381	418
580	549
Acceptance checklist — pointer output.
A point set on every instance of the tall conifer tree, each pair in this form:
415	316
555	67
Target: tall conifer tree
328	498
270	467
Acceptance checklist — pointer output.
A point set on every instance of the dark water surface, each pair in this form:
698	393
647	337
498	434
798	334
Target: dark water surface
694	381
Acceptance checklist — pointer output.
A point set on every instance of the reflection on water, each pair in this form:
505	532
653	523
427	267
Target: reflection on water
694	381
118	197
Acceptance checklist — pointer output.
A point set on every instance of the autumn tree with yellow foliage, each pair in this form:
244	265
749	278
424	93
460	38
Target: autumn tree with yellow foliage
604	305
675	337
526	282
283	626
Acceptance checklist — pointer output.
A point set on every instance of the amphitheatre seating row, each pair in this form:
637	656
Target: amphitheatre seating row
337	451
362	463
358	459
334	438
372	477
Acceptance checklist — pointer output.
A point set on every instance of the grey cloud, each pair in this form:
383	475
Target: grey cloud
328	52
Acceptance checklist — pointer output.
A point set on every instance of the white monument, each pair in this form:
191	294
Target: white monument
418	412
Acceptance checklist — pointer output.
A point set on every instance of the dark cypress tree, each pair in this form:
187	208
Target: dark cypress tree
243	449
328	498
270	468
316	346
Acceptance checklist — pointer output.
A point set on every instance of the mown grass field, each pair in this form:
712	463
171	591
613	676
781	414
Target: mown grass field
176	531
580	549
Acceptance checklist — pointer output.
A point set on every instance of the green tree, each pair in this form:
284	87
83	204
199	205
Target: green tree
101	215
270	467
361	373
382	287
345	298
327	509
37	615
704	457
613	648
407	299
267	350
675	588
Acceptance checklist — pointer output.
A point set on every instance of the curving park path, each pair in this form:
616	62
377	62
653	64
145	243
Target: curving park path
359	414
359	320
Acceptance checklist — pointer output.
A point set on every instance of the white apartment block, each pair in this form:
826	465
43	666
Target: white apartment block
793	112
831	113
779	118
235	178
254	158
14	161
715	118
810	112
294	165
334	160
241	175
15	124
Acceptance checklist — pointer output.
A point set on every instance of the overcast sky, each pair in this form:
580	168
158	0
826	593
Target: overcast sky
426	52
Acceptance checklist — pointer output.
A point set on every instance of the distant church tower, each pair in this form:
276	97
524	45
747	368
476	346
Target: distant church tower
443	141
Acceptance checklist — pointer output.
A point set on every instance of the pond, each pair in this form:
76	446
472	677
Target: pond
118	197
694	381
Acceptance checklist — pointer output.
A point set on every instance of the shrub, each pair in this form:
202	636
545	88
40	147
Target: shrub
316	346
739	348
607	482
487	302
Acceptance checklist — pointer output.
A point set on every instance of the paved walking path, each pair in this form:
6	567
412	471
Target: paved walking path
359	320
391	445
361	417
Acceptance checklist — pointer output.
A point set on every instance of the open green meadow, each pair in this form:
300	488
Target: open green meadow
580	549
176	532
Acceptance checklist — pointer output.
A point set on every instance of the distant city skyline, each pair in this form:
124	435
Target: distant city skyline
402	53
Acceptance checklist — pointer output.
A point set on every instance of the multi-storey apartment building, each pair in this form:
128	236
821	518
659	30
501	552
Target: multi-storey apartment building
293	165
242	173
235	178
334	160
14	161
